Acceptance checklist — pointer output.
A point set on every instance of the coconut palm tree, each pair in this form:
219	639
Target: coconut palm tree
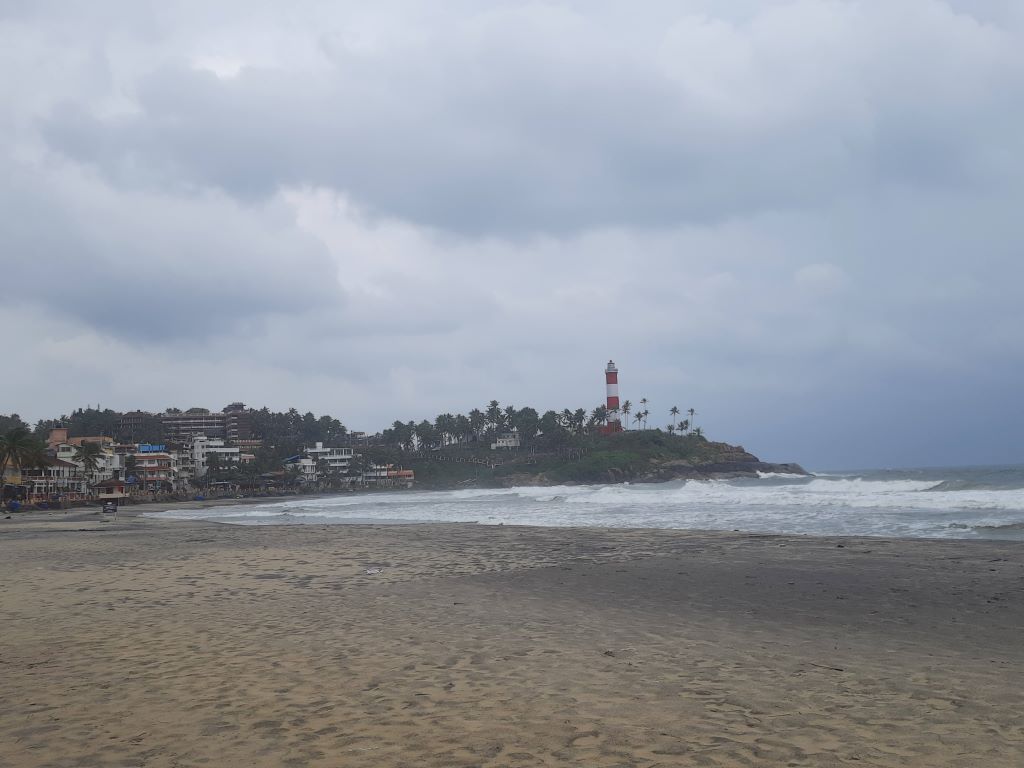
88	455
643	404
579	420
566	417
674	410
17	448
323	471
494	414
508	418
477	420
214	465
358	465
639	418
671	429
38	457
626	408
691	413
527	424
463	428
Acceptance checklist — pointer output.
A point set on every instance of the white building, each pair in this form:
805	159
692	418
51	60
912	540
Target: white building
305	466
507	440
337	460
107	461
318	462
203	447
57	478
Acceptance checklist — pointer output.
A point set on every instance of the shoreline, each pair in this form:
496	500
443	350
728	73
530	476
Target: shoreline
42	518
179	643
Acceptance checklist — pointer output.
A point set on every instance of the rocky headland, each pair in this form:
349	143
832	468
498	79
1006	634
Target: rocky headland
636	457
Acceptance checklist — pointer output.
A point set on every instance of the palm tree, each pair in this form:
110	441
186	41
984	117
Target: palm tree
477	420
579	419
639	418
88	455
551	425
463	428
251	476
508	418
37	457
527	423
131	467
626	408
674	410
426	435
17	448
566	417
214	465
357	467
323	471
671	429
691	413
494	414
643	403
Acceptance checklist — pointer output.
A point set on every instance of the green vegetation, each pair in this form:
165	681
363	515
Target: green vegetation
18	448
453	450
83	422
88	455
283	434
561	457
621	456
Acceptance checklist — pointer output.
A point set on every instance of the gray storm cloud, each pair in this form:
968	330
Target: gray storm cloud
800	217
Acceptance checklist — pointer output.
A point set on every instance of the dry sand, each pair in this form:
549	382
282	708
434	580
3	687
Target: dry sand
153	643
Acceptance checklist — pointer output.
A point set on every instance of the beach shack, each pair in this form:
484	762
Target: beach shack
112	490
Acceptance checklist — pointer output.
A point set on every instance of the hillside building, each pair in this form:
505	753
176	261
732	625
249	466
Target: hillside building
232	423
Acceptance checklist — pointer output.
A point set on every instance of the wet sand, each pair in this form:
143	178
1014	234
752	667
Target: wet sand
158	643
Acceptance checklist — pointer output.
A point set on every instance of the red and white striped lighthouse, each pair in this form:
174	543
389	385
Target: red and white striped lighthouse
611	383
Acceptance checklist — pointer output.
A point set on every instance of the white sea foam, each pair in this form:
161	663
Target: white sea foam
884	506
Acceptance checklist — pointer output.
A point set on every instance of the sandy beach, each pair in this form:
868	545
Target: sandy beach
156	643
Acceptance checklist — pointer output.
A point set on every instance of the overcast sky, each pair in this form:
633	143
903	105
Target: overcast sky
803	218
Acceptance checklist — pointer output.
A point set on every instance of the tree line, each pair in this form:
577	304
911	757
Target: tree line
482	425
285	433
290	428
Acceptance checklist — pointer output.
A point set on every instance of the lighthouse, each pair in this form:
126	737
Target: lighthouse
611	384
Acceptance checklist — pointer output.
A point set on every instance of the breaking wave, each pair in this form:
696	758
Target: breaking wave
977	503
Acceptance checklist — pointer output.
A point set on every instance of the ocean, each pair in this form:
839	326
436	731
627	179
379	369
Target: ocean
958	503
